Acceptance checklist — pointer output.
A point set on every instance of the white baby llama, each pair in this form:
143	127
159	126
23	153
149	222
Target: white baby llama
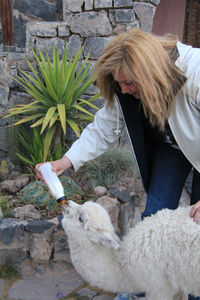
159	256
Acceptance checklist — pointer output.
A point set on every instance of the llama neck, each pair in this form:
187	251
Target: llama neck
100	266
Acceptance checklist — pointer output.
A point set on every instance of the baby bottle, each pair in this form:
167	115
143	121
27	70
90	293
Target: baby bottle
53	183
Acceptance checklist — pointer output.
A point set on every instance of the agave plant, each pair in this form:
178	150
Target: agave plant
33	147
57	91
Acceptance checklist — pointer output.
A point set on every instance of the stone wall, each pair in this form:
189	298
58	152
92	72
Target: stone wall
90	22
24	11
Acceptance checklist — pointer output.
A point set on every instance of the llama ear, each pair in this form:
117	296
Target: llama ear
106	239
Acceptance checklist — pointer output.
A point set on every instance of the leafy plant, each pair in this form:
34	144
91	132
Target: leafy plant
33	147
7	271
6	207
57	90
38	194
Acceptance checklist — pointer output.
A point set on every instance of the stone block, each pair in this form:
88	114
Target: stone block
88	4
86	294
17	98
112	207
89	24
155	2
94	46
145	13
4	88
11	82
100	191
74	5
27	212
44	32
67	15
63	256
3	142
124	15
4	93
60	242
40	250
122	194
102	3
63	30
42	9
73	45
43	29
91	91
111	14
14	185
133	24
123	3
119	29
15	256
39	226
1	286
47	45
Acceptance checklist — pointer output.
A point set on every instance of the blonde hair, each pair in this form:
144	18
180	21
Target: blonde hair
144	59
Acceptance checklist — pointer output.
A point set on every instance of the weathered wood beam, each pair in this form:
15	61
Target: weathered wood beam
7	22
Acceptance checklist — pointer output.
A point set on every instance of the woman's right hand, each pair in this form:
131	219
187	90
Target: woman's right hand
58	166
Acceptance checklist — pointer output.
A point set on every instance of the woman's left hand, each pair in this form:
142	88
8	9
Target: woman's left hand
195	212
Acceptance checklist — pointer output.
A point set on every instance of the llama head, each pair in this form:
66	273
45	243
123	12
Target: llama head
90	221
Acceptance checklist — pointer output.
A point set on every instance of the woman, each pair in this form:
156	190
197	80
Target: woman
151	84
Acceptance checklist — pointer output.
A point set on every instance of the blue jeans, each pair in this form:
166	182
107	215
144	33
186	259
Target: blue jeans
170	169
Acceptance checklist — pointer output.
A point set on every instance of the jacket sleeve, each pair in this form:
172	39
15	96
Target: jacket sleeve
97	137
190	65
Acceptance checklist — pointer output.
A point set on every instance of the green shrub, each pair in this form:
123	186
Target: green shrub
107	168
6	207
7	271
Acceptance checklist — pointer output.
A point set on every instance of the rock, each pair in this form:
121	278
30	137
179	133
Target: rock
63	256
1	286
88	5
27	212
13	186
145	13
39	226
15	256
1	214
89	24
60	241
112	207
100	191
40	249
9	228
122	194
123	3
124	15
86	294
74	5
94	46
137	216
13	175
103	3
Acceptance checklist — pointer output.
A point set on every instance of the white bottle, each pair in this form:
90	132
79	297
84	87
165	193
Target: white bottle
53	183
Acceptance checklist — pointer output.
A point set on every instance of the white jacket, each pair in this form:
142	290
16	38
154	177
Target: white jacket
184	119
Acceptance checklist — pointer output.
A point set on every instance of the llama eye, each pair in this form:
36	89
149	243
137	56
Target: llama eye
81	219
